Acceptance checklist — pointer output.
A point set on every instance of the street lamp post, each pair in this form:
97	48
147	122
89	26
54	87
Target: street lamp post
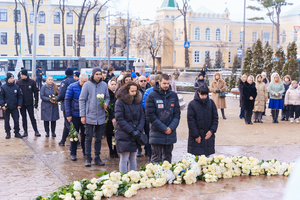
108	54
127	39
244	30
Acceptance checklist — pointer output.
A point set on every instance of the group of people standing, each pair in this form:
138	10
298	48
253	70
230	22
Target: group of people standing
282	95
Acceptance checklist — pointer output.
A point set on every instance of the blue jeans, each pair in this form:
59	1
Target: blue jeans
78	125
89	132
242	113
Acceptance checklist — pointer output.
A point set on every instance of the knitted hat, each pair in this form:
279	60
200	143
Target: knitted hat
24	72
201	74
69	71
96	69
77	74
9	75
157	77
152	76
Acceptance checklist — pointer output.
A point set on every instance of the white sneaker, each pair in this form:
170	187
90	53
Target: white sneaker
292	120
297	121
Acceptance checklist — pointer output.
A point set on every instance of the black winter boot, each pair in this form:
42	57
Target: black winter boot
273	116
223	114
276	116
7	136
47	134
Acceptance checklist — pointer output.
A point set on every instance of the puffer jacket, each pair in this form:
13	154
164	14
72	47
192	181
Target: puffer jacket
11	95
200	83
202	116
63	89
72	100
292	96
130	116
262	96
158	103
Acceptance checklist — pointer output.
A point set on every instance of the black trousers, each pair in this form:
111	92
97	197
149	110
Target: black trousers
78	126
46	126
15	115
39	83
161	152
30	110
89	132
294	111
66	129
248	116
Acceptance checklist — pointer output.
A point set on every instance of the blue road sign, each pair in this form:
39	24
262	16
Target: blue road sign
239	52
186	45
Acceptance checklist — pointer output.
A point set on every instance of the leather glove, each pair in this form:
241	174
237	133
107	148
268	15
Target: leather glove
135	134
217	91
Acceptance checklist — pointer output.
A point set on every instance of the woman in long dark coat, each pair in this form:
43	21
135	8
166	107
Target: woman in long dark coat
241	85
49	108
203	122
112	86
249	93
130	120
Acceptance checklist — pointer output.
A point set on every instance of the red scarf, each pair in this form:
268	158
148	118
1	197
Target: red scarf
276	81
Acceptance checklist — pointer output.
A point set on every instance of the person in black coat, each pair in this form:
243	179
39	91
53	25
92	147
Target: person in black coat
112	86
249	93
203	120
110	73
39	77
130	121
200	82
241	86
285	111
11	99
30	100
60	98
163	112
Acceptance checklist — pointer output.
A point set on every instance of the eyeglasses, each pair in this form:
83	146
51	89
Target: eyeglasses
143	80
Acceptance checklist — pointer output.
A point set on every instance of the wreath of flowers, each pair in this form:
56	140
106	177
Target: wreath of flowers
189	170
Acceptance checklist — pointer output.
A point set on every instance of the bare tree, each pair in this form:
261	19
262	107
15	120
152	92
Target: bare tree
87	6
16	27
184	11
62	9
152	38
23	4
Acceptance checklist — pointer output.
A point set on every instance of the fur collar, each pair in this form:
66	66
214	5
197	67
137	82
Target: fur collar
123	95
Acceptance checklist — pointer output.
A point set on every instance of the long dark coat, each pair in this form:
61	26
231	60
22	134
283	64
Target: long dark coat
249	90
49	111
128	112
109	130
202	117
241	86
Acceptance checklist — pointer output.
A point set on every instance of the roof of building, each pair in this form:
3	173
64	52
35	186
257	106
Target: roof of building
204	9
168	3
293	12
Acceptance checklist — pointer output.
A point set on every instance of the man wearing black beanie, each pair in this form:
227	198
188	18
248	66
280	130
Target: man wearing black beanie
61	97
30	100
10	101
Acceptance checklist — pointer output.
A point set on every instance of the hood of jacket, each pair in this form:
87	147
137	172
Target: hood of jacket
123	95
256	79
202	101
217	73
92	77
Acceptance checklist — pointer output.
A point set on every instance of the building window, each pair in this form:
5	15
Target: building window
3	15
42	17
18	15
56	39
197	33
42	40
197	56
241	36
31	17
56	17
167	17
266	36
174	56
82	18
172	17
69	40
69	17
218	34
229	57
97	19
230	36
283	36
254	36
179	35
82	41
175	35
295	36
3	38
17	39
207	34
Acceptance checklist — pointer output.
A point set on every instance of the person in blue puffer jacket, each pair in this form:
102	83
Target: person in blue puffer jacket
72	112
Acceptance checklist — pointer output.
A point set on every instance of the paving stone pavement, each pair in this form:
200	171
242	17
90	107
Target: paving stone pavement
36	166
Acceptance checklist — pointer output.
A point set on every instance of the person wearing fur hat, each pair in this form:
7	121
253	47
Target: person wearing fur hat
130	120
249	95
292	101
203	120
276	89
285	111
241	86
60	98
11	99
217	86
30	100
261	99
200	82
93	115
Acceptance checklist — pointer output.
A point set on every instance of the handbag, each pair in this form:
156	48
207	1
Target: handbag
222	95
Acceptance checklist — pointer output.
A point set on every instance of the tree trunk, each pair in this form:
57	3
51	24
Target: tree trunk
16	29
153	59
278	30
94	36
115	42
186	51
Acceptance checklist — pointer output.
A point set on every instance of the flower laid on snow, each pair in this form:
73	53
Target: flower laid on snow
190	169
